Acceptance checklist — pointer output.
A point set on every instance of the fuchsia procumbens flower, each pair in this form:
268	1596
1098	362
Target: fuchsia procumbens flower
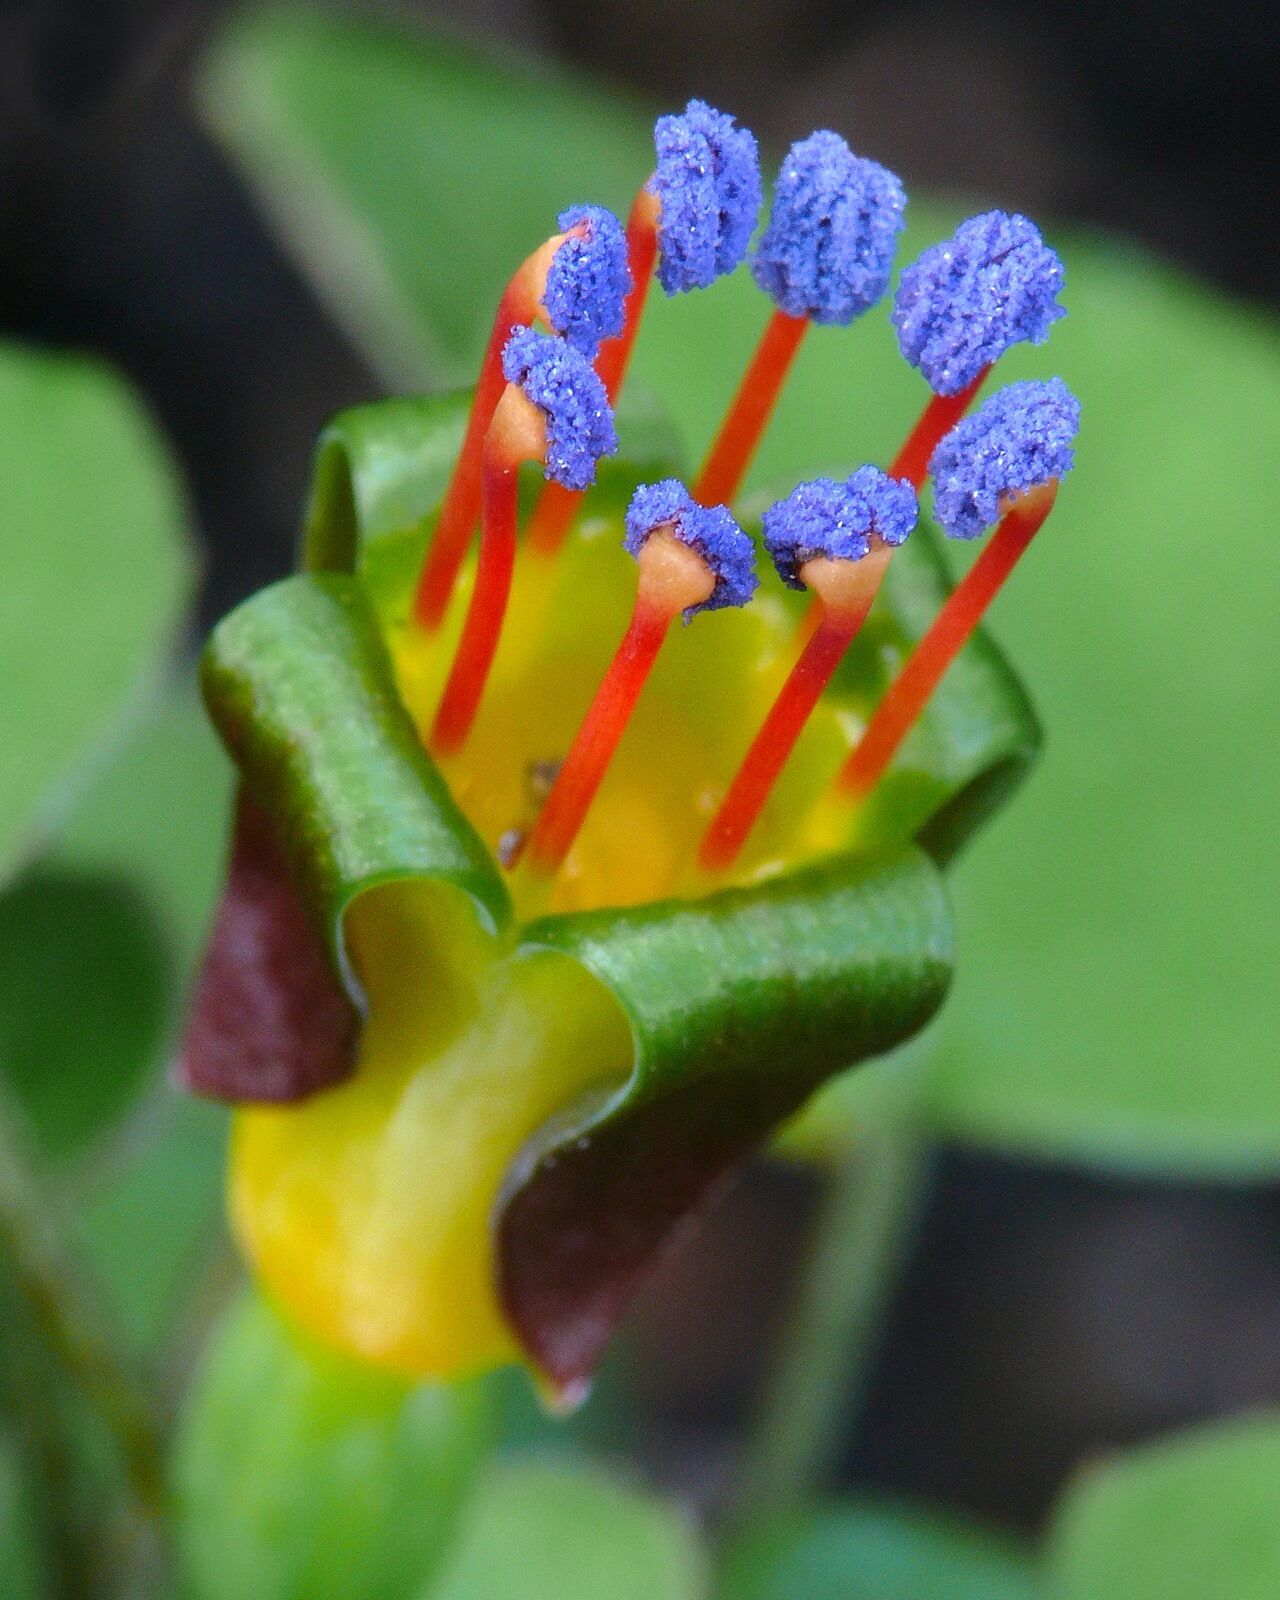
530	933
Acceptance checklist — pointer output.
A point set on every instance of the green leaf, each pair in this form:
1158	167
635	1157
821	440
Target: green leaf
300	1475
543	1531
872	1551
83	985
21	1577
149	1215
94	578
97	944
299	685
400	145
1186	1518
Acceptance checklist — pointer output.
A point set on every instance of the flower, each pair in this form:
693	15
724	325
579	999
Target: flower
479	1085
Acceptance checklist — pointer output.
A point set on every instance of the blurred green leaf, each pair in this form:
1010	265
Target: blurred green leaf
97	944
149	1216
21	1576
377	160
302	1475
553	1531
1192	1517
157	816
872	1552
83	983
1116	1000
93	578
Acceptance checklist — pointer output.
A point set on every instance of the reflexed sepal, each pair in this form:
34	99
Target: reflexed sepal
300	687
340	797
269	1020
740	1006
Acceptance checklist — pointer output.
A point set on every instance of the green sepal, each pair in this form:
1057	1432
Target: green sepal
300	688
740	1005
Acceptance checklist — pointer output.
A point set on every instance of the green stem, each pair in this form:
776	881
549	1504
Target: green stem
861	1237
72	1329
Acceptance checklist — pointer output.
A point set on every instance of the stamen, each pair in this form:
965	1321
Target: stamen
691	559
578	278
958	308
553	410
825	257
834	539
642	253
1002	464
694	218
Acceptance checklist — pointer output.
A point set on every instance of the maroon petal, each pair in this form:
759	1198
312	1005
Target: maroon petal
269	1019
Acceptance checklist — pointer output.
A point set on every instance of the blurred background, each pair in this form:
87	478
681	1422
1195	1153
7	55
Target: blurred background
1050	1307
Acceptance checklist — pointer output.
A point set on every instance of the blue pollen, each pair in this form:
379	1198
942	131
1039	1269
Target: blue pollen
707	180
562	383
1019	439
966	300
828	249
588	280
827	518
710	530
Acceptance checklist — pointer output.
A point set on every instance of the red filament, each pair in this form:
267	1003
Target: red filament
518	433
672	577
939	416
845	591
748	416
960	614
521	302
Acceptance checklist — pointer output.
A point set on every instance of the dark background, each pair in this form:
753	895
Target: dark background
1045	1314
